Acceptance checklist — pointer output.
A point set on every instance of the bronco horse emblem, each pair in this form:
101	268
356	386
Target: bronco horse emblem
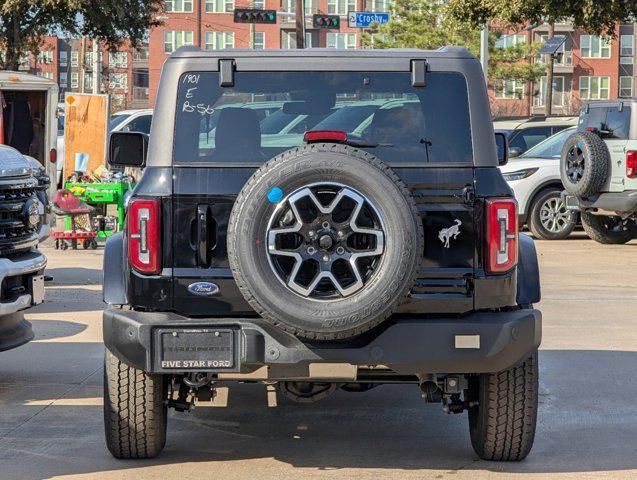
447	234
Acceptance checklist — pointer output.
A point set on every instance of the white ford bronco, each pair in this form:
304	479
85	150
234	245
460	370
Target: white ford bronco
599	170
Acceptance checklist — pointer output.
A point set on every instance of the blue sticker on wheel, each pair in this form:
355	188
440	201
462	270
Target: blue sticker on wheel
275	195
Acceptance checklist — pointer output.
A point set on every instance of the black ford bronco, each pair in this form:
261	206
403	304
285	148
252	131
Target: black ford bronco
320	219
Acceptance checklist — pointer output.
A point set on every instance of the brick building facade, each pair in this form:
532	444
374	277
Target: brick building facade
589	67
209	24
124	73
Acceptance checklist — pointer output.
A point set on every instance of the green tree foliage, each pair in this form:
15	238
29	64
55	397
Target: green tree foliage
594	16
23	23
425	24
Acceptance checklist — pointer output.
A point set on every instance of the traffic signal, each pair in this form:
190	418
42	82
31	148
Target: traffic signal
326	21
254	15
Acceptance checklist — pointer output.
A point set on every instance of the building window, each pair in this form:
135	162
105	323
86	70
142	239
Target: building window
258	41
219	40
558	92
288	39
341	40
593	46
45	57
48	75
626	87
219	6
290	6
506	41
140	54
594	88
118	59
64	58
178	6
118	81
260	4
626	49
88	58
63	79
173	39
340	7
509	89
626	45
88	82
74	79
380	6
74	58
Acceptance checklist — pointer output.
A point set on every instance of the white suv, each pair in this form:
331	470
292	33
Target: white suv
534	177
598	167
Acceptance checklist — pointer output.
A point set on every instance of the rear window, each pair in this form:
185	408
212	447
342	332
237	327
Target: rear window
609	122
409	125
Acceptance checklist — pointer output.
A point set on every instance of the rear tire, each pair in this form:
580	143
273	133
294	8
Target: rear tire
135	410
606	229
502	425
549	219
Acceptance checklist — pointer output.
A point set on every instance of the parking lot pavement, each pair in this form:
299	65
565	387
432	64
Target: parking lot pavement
51	406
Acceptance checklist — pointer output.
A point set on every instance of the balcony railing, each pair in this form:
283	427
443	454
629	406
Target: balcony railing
564	59
140	93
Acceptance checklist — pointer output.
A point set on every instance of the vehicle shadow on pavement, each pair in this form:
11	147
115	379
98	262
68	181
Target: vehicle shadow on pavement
74	276
581	429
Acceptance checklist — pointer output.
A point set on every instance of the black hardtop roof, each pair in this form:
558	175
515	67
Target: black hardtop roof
610	103
442	52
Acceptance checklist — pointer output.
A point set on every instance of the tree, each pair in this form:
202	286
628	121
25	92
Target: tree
424	24
23	23
594	16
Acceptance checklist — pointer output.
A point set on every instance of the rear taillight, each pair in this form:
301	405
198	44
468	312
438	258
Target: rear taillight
144	230
502	235
631	163
53	155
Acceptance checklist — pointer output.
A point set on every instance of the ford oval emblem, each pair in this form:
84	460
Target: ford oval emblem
203	289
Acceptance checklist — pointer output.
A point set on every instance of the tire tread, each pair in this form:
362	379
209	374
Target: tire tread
506	417
134	410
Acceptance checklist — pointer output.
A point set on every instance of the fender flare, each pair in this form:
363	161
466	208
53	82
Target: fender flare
528	284
115	287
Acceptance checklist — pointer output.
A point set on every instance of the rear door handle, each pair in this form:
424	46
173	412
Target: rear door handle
203	250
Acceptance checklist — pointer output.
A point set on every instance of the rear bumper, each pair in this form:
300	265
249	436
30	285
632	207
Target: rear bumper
618	202
476	343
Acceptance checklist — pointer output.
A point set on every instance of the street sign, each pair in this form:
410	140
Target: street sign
326	21
366	19
254	15
552	45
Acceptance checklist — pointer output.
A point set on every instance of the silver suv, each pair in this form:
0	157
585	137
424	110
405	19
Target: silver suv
599	170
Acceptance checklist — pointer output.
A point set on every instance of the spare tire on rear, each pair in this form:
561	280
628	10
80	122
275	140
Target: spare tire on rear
584	164
325	241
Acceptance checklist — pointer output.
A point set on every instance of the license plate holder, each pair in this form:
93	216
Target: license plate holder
187	349
37	289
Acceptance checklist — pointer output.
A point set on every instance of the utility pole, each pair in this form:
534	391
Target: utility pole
80	65
484	52
550	58
300	23
97	71
252	28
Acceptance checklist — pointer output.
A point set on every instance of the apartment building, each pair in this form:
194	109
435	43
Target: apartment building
210	25
124	73
589	67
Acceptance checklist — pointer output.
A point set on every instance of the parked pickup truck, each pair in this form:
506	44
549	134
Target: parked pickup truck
21	264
